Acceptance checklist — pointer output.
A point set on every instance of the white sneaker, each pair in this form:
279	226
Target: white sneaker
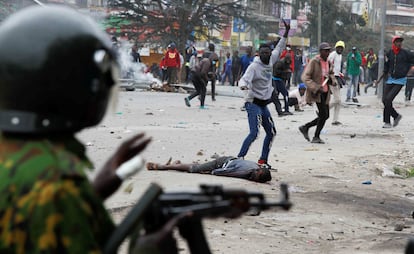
387	126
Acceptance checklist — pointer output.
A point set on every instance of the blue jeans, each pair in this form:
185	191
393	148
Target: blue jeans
258	115
280	87
353	85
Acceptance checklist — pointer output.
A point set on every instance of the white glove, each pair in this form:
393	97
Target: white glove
130	167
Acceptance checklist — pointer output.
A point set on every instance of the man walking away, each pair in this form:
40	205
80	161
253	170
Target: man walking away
318	76
397	67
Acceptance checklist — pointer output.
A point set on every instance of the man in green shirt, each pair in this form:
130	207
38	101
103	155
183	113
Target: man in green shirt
353	63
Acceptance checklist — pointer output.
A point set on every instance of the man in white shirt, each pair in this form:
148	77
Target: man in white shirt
335	58
297	97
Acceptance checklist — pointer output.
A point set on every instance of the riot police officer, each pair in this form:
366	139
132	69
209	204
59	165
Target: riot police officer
57	71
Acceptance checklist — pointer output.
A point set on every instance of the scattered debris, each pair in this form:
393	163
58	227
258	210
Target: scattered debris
399	226
128	189
215	156
169	161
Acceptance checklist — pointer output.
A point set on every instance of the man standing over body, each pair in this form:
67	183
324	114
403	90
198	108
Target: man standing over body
353	62
258	80
397	67
318	76
335	58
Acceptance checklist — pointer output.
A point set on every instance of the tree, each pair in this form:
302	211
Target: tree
6	8
164	21
338	23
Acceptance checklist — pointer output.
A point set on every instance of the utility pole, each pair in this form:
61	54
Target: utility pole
381	52
38	2
238	31
319	22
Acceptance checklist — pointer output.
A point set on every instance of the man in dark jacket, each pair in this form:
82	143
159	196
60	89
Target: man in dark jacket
213	68
200	79
281	74
235	67
397	66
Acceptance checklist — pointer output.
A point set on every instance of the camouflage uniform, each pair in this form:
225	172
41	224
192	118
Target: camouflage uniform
47	204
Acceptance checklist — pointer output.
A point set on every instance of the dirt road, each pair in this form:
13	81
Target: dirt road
334	212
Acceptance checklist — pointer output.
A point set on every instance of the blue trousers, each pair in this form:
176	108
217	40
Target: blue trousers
258	115
353	86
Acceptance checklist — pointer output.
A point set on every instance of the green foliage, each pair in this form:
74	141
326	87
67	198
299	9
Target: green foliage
339	24
410	172
177	20
406	173
361	21
6	8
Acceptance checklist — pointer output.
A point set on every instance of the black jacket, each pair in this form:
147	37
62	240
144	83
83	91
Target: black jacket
281	69
398	65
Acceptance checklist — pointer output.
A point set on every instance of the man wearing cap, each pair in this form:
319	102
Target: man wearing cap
297	97
335	58
353	62
397	67
318	77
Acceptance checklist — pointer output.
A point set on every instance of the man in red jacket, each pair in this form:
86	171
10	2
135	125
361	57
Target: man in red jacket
172	63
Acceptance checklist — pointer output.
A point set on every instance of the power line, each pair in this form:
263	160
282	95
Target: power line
39	3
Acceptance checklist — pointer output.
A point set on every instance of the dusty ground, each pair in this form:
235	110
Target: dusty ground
333	211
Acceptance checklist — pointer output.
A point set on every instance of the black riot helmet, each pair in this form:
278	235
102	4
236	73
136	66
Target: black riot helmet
57	70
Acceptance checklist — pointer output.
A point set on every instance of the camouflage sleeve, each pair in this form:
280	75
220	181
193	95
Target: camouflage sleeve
65	217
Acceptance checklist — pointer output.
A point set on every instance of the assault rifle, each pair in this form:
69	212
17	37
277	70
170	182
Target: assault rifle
156	208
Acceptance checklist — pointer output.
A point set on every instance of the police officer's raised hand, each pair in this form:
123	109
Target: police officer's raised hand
120	165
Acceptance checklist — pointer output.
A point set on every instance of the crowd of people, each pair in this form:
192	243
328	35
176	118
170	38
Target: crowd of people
300	81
